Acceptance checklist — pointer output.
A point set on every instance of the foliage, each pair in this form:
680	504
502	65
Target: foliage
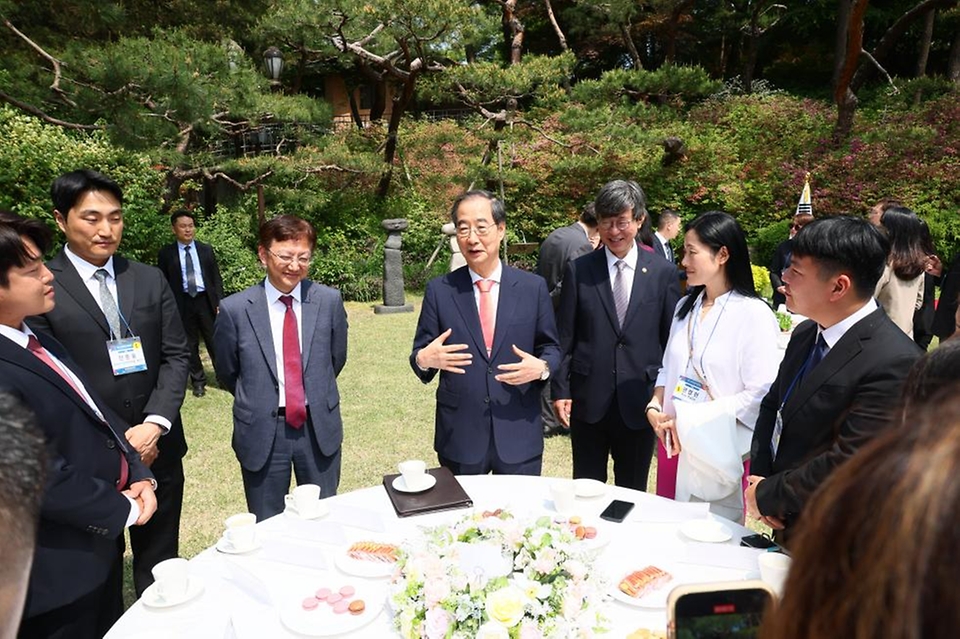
666	84
232	234
761	281
784	320
765	241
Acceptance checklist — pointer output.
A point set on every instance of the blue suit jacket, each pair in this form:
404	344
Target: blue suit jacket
246	366
82	513
472	405
600	359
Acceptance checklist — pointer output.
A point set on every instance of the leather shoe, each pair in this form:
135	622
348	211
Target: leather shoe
199	390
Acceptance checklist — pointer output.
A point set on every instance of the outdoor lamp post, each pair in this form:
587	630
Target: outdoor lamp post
273	64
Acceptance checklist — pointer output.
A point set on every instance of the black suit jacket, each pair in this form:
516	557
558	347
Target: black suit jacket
843	403
168	261
562	246
83	513
600	359
147	303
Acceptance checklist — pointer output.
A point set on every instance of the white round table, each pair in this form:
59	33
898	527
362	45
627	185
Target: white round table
242	594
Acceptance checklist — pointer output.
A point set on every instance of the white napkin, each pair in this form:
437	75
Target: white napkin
710	465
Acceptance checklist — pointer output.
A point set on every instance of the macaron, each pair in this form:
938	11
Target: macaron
323	593
347	591
310	603
341	607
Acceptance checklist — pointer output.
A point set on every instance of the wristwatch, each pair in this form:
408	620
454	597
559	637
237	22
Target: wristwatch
546	371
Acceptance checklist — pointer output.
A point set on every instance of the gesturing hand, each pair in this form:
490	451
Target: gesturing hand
446	357
526	370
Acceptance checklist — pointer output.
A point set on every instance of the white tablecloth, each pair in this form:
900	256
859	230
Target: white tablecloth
242	592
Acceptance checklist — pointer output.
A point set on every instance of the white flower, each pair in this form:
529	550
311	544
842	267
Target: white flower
529	630
435	590
505	606
576	569
492	630
437	623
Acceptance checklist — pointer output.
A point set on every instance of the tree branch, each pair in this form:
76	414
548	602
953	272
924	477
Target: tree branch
32	110
869	57
55	87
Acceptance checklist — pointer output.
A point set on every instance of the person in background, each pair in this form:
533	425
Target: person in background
923	316
280	345
488	330
719	351
194	277
900	289
118	320
877	210
876	554
22	474
668	227
96	484
615	313
561	247
781	258
841	373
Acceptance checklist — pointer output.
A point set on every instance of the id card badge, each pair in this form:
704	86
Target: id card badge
689	390
126	356
777	432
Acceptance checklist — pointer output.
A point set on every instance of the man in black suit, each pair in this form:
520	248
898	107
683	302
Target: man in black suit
118	320
614	319
841	374
96	484
194	278
668	227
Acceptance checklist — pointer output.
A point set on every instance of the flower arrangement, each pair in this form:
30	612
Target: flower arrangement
536	582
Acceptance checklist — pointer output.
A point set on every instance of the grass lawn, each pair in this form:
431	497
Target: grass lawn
387	417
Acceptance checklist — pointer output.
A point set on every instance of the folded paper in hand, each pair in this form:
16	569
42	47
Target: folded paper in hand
710	465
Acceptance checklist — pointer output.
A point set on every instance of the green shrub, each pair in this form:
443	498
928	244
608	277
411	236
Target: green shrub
765	241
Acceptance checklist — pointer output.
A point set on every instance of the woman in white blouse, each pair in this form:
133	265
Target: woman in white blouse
720	360
900	289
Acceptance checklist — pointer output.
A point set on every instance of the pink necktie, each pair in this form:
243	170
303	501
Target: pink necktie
487	319
34	346
296	407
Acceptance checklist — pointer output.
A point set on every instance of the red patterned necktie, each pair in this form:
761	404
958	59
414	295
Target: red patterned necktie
488	320
296	407
34	346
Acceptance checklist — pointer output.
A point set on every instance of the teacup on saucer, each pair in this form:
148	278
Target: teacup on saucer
316	508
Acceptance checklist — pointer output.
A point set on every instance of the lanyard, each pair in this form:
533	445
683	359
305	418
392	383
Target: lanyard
691	334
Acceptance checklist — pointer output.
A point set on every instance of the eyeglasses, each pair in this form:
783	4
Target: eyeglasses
287	260
481	231
621	224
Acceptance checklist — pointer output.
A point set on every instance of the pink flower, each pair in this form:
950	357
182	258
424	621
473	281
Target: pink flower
437	623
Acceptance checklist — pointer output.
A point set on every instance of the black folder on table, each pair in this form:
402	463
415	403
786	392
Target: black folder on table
446	494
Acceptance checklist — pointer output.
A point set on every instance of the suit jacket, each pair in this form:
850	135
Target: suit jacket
562	246
472	405
246	366
147	303
944	318
168	261
82	513
600	359
843	403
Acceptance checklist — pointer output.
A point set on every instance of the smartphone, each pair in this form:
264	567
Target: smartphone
759	541
729	610
617	511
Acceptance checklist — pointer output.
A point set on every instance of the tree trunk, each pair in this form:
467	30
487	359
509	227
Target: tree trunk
512	31
400	104
924	53
844	94
556	26
840	41
673	30
953	64
751	45
631	47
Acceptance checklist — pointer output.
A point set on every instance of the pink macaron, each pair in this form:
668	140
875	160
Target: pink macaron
310	603
323	593
347	591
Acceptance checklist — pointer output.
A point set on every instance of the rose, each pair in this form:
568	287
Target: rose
437	623
505	606
492	630
435	591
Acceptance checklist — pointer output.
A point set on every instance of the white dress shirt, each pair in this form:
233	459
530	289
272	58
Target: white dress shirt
494	290
197	272
278	311
630	259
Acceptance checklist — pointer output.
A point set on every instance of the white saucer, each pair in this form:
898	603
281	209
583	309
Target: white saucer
360	568
705	530
589	488
152	599
291	507
225	546
429	482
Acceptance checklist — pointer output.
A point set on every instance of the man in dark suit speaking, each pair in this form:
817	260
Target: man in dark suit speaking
194	277
502	346
614	319
96	484
119	322
840	376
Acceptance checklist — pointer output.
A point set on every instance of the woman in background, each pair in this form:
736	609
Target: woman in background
721	350
900	289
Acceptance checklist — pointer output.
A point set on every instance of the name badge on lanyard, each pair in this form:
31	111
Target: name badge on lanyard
126	356
689	390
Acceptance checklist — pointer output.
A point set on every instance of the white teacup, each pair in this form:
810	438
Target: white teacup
774	567
564	495
171	578
414	473
306	499
241	530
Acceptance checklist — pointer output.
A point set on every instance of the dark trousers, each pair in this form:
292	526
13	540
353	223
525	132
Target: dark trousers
292	447
198	317
631	450
89	617
159	538
547	414
491	463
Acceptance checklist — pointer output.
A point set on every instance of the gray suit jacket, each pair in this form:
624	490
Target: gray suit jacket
247	367
561	247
